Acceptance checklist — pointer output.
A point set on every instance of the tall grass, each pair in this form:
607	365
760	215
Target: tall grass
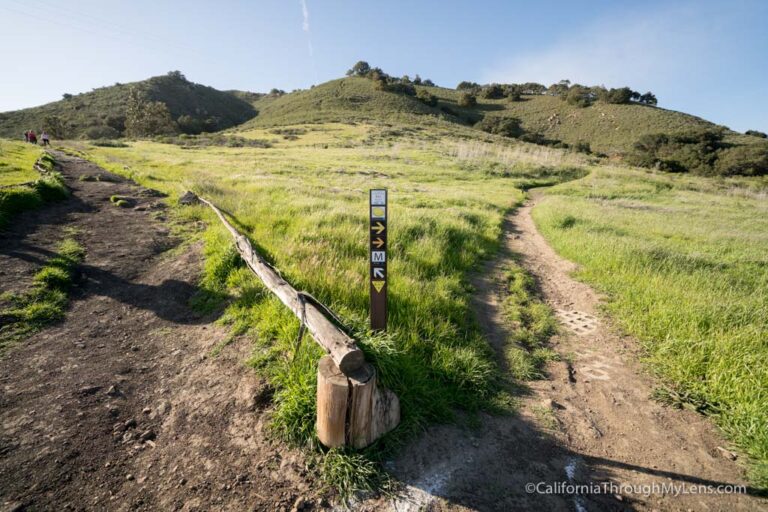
305	208
686	268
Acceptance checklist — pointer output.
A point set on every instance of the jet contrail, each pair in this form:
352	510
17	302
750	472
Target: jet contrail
305	28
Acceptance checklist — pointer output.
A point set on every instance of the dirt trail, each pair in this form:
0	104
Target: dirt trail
122	406
591	421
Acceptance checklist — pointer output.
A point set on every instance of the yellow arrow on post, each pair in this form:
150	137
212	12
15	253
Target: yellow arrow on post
378	228
378	243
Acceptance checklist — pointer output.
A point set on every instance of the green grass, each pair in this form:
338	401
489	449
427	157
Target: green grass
532	323
26	313
304	205
16	160
682	258
22	186
684	261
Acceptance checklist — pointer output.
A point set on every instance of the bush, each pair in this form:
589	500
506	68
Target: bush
492	92
579	96
701	151
756	133
506	126
101	132
400	88
467	86
426	97
467	100
361	68
618	96
749	160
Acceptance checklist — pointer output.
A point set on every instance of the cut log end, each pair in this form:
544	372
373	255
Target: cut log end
351	362
352	410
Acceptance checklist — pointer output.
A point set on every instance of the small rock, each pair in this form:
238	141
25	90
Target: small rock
148	435
163	407
619	497
298	504
130	423
728	454
129	476
146	410
14	506
183	481
89	390
189	198
114	411
135	348
113	391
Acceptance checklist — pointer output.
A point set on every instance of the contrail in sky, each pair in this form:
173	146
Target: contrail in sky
305	28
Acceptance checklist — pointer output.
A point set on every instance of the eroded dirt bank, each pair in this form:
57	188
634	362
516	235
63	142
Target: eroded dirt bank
123	406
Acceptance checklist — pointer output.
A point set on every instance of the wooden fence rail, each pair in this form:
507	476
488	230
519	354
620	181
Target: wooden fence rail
352	410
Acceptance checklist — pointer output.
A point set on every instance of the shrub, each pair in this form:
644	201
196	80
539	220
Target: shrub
492	92
101	132
506	126
748	160
467	86
618	96
701	151
361	68
467	100
426	97
579	96
400	88
756	133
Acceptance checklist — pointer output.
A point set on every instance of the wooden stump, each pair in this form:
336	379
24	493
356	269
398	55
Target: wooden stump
351	409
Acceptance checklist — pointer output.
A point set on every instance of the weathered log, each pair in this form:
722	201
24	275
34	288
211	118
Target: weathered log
352	410
347	356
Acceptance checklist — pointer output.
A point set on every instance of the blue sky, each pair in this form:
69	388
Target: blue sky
703	57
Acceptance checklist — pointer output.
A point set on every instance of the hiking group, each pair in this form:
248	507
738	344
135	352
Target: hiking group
31	137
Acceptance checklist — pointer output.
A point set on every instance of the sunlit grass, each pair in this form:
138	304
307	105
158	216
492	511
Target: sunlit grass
685	264
305	208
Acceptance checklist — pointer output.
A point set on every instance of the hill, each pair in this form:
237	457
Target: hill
608	128
101	112
342	100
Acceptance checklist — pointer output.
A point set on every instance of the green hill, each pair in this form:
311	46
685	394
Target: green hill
101	112
343	100
608	128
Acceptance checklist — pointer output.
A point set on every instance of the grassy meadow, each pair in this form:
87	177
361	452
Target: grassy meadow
303	202
684	261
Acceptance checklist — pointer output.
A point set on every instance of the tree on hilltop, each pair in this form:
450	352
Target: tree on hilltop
361	68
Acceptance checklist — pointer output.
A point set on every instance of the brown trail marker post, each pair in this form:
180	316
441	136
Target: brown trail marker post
352	410
378	258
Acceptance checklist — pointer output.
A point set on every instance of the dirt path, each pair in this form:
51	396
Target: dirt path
591	422
123	406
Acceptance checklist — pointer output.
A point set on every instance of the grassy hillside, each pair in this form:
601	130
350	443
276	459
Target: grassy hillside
684	261
343	100
101	112
608	128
